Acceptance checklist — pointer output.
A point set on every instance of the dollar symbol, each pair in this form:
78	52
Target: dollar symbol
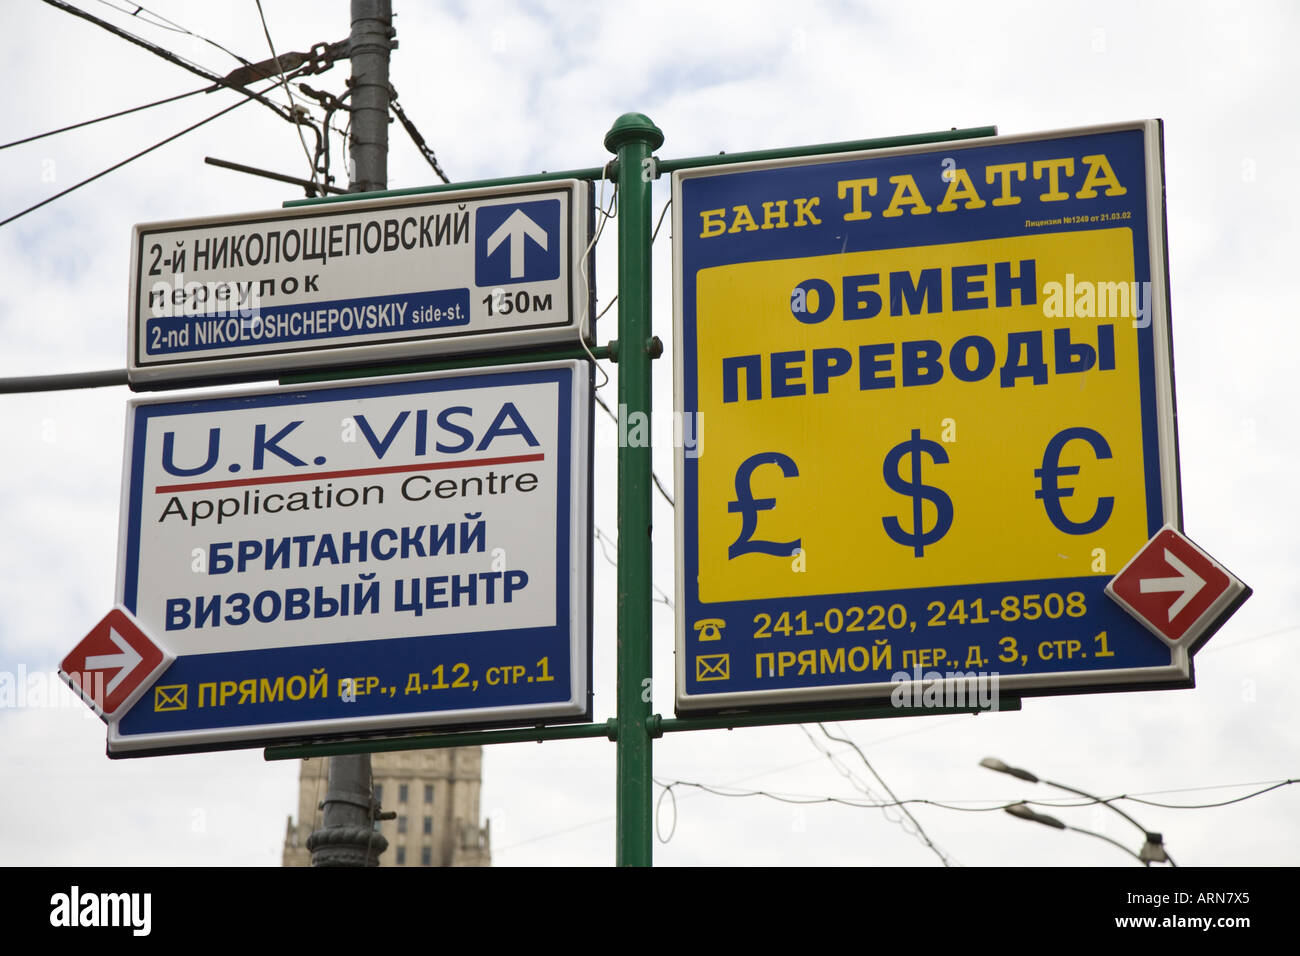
914	489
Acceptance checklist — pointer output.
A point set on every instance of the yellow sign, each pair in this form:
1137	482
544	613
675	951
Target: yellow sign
873	452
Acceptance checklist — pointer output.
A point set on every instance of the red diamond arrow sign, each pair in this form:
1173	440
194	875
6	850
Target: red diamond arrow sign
1178	592
114	664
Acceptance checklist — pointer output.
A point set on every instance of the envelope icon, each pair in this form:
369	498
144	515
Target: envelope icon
713	667
169	697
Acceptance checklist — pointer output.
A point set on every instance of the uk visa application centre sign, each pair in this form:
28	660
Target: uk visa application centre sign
369	558
934	385
371	281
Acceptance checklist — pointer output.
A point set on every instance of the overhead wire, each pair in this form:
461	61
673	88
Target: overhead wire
663	212
721	790
396	109
658	482
291	115
929	727
847	773
296	114
601	539
130	159
169	56
917	823
108	116
731	790
667	792
293	106
584	285
605	215
1203	806
797	799
608	305
662	490
551	834
654	477
163	23
1215	647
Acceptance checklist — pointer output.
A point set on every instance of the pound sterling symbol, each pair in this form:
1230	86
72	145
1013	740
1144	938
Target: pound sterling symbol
917	491
1051	472
748	506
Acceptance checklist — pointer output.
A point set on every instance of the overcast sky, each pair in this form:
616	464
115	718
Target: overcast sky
502	89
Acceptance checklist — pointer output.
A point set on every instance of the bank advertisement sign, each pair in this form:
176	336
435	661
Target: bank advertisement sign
936	392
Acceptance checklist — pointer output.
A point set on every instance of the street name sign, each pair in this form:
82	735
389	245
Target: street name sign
934	389
374	557
364	282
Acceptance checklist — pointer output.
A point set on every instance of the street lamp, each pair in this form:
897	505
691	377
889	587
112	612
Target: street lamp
1024	813
1153	849
993	763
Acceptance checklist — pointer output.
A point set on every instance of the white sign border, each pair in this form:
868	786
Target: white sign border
580	618
191	371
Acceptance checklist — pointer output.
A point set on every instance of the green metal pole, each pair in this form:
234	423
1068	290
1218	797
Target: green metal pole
633	138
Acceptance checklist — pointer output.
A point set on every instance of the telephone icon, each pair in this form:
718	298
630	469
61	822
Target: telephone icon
710	628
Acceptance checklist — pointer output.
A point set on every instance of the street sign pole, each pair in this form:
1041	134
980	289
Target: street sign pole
633	137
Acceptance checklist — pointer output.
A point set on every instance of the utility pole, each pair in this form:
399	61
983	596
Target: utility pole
372	41
347	836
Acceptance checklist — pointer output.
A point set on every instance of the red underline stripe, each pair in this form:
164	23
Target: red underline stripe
352	473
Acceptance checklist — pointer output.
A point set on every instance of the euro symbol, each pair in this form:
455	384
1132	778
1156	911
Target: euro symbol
748	507
1051	472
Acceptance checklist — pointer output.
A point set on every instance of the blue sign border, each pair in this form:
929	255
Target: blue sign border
142	731
1136	154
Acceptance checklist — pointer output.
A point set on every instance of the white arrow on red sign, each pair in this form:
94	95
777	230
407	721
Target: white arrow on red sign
114	664
1204	592
125	662
1188	584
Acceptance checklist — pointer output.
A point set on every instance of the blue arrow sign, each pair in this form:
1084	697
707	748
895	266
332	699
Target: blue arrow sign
517	242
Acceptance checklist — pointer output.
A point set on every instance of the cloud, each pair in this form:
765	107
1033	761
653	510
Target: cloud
508	89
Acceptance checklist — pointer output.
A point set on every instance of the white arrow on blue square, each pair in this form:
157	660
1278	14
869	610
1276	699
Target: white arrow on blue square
517	242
